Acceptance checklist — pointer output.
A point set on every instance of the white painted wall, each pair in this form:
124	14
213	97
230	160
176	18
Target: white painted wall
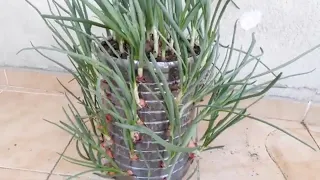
20	25
287	28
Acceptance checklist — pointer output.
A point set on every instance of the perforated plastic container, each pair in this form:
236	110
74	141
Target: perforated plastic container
155	117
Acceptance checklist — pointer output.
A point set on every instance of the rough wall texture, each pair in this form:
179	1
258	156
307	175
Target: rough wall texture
287	28
20	25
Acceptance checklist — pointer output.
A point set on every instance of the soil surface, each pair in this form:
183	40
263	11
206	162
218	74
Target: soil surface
149	48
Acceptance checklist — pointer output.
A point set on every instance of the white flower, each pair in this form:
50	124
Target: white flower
250	19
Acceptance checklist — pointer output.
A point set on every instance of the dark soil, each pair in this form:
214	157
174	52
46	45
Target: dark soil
149	48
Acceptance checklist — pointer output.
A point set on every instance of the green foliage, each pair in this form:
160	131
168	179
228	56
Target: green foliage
179	25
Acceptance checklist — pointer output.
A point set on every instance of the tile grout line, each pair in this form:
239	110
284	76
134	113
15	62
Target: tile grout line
18	87
292	119
272	158
280	119
55	165
21	169
37	93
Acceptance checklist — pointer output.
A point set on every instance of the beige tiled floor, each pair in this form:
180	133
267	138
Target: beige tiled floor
38	81
13	174
30	147
27	138
296	163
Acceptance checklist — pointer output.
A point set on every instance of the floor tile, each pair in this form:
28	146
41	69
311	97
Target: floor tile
295	161
27	141
244	153
33	80
9	174
244	144
32	91
276	108
86	177
257	172
66	168
315	131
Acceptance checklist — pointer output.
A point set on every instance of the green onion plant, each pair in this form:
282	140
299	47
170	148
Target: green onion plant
138	35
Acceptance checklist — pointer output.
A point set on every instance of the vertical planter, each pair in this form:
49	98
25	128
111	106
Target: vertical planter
129	25
149	164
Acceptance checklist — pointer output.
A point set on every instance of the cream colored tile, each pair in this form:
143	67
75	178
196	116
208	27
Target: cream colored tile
86	177
27	141
66	168
277	109
315	132
9	174
244	153
32	91
313	128
313	116
295	161
33	80
58	177
258	172
244	144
